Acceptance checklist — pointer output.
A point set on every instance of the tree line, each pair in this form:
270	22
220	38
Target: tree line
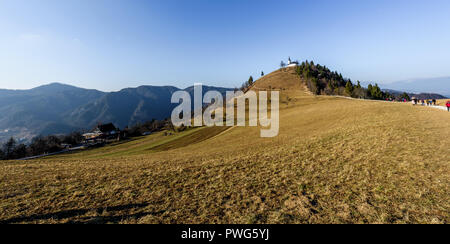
39	145
42	145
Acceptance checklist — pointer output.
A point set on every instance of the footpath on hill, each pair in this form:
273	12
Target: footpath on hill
430	106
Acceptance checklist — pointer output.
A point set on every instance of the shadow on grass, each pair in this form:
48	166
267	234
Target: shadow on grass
77	213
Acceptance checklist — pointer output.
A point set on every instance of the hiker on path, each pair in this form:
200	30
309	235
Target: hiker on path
434	102
448	106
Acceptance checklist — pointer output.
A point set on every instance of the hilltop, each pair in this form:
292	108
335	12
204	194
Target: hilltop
336	160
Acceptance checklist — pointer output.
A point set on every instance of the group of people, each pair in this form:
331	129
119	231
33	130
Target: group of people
429	102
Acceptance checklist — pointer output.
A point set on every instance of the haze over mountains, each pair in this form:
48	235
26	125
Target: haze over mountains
59	108
432	85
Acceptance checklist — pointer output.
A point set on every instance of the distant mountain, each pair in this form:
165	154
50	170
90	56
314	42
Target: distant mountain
132	105
433	85
58	108
418	96
44	109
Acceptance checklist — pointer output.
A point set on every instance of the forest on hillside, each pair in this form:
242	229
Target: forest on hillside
322	81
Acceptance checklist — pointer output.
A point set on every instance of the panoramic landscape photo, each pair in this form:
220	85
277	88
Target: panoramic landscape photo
224	112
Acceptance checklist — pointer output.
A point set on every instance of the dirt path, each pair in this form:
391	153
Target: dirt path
439	107
419	105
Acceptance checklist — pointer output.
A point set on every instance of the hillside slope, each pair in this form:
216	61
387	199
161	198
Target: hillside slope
336	160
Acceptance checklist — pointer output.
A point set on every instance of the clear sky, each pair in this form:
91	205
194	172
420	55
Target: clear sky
113	44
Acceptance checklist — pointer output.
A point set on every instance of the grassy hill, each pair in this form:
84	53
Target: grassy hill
336	160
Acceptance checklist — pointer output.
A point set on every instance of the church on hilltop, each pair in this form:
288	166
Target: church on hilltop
292	63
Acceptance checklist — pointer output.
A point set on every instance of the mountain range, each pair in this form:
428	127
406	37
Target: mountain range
58	108
431	85
420	96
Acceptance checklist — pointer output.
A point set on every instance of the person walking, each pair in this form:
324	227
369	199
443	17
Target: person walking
448	106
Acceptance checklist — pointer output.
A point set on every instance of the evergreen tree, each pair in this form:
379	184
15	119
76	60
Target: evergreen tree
250	81
2	155
369	90
358	85
306	72
9	147
20	151
405	96
315	86
349	88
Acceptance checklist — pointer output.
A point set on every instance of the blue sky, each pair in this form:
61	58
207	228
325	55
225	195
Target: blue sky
113	44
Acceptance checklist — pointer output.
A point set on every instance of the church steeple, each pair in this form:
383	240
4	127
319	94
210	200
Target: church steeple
292	63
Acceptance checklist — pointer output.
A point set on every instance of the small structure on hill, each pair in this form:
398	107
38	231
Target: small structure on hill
101	133
292	63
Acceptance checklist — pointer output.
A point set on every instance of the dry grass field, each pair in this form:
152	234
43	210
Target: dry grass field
442	102
335	160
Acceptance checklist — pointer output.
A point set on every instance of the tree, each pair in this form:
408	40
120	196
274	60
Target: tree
369	90
405	96
20	151
375	92
54	144
73	138
349	88
306	72
315	86
38	146
282	64
9	147
250	81
2	155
